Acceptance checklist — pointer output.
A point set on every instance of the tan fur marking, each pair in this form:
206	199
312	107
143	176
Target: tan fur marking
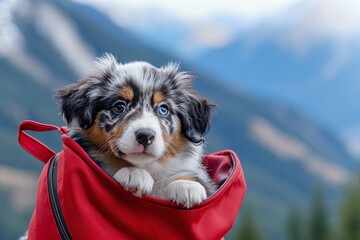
158	97
175	144
127	93
102	141
115	164
96	135
117	132
185	178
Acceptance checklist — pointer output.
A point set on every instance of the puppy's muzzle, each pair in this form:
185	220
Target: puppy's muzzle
145	136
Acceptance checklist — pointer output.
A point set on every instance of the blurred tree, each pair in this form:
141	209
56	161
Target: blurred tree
319	226
350	213
295	231
249	229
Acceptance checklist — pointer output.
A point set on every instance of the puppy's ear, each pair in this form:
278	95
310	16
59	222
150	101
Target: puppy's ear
195	117
194	110
76	105
78	102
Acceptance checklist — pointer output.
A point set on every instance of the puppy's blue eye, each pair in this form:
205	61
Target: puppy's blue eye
163	110
119	107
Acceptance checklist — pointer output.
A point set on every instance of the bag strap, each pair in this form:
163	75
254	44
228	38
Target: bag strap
33	145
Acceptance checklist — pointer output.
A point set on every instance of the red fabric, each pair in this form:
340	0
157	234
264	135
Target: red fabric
34	146
42	224
97	207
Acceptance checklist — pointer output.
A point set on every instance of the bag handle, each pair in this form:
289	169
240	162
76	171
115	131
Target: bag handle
33	145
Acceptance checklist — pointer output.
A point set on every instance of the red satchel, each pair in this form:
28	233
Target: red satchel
76	199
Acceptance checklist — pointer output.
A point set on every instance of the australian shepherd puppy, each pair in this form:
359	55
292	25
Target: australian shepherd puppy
144	126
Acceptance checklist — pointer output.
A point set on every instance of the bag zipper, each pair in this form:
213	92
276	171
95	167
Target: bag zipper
55	202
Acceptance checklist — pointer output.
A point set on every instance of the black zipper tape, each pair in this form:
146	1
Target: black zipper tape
55	202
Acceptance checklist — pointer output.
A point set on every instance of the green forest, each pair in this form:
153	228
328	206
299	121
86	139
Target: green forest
315	224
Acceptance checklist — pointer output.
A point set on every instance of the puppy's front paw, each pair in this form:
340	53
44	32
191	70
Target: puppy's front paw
185	192
136	180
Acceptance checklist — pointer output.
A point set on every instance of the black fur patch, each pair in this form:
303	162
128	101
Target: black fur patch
195	118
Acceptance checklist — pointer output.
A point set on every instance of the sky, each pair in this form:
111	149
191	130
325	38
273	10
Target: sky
202	10
208	23
214	24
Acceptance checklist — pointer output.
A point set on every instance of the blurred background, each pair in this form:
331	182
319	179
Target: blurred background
285	75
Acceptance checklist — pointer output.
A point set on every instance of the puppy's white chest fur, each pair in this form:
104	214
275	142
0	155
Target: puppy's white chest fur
165	181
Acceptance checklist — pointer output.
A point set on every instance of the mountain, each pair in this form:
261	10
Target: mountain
269	69
282	152
307	57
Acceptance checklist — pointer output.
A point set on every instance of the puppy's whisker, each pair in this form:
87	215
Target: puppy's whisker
167	152
106	146
169	147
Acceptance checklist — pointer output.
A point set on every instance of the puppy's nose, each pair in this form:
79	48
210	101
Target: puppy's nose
145	136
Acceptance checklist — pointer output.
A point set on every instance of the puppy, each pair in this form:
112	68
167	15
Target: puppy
142	125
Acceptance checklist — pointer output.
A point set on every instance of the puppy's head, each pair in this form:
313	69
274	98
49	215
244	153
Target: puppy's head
135	111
